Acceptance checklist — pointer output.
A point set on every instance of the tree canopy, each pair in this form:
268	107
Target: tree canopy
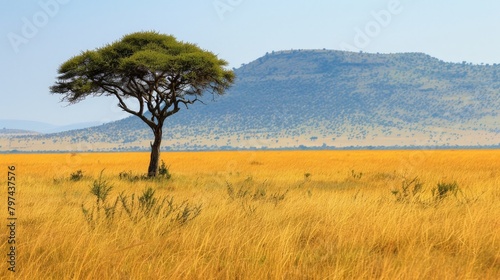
157	71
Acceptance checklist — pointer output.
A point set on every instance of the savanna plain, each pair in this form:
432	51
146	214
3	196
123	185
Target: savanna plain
418	214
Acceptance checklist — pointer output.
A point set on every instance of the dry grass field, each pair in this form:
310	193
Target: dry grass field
256	215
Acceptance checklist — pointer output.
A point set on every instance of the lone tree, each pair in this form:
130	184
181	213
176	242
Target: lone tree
157	72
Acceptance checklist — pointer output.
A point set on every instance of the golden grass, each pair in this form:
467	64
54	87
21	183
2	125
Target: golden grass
306	215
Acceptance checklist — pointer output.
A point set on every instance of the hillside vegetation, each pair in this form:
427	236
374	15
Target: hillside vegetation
323	98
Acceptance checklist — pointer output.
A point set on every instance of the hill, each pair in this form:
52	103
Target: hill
16	132
321	98
41	127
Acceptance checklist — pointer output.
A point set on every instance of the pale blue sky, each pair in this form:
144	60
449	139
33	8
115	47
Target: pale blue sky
37	36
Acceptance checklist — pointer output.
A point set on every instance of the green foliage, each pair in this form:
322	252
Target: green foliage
147	201
163	174
100	190
163	171
154	70
443	190
136	59
409	191
131	177
76	176
135	208
233	194
276	197
127	175
248	197
148	206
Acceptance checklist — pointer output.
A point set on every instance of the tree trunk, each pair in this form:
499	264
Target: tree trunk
155	154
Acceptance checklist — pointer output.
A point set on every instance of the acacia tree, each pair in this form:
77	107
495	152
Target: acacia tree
155	71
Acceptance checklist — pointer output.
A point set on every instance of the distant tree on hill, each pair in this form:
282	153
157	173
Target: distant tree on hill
155	71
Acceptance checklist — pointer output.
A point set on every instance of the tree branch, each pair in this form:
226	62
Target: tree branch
188	102
139	114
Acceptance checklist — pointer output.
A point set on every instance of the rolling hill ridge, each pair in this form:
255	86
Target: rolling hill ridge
318	99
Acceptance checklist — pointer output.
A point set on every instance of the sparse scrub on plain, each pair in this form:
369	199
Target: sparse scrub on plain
129	176
147	206
260	221
163	175
412	191
409	191
135	208
163	171
76	176
443	190
100	190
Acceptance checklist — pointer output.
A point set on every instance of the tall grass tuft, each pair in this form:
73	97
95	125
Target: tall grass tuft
409	191
443	190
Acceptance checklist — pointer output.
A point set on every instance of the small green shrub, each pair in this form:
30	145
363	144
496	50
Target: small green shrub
127	175
100	190
356	175
76	176
443	190
259	194
275	198
410	190
163	171
233	194
135	208
148	206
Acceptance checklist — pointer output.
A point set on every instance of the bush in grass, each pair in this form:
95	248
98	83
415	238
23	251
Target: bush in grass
443	190
409	191
163	171
76	176
136	208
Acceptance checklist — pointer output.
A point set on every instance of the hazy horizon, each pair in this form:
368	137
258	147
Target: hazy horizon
39	36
